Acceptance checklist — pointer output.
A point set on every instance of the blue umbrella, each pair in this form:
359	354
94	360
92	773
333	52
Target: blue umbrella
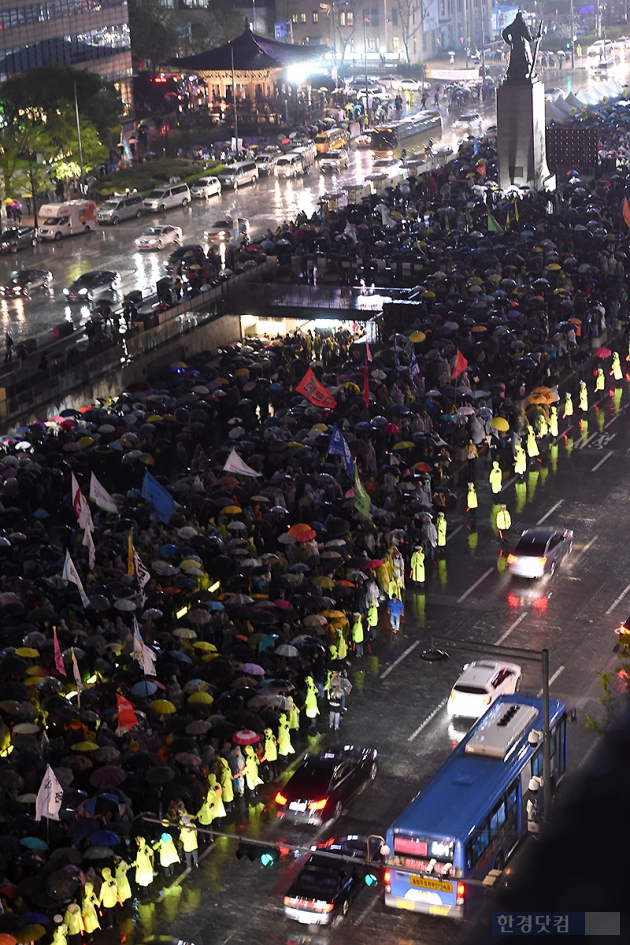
168	549
34	843
178	655
214	605
114	445
105	838
144	688
40	513
36	917
318	526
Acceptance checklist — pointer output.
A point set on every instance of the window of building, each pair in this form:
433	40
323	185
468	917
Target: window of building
342	19
442	9
394	16
372	44
315	16
295	18
396	44
302	17
349	18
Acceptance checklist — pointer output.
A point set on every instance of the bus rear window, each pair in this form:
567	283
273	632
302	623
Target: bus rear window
410	846
383	140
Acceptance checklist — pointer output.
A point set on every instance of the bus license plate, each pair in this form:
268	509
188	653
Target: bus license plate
438	910
426	883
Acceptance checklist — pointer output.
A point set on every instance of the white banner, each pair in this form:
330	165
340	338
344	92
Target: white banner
101	497
235	464
454	75
430	16
49	796
71	575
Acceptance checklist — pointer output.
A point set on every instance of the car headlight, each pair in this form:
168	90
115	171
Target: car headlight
66	291
83	291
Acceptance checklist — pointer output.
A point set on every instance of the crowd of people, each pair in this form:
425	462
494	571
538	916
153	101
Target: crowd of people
189	572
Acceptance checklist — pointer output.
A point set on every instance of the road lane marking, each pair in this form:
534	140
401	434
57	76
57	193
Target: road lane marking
366	912
583	551
428	719
612	420
602	461
400	659
508	483
618	600
512	627
458	529
473	586
582	446
552	679
550	512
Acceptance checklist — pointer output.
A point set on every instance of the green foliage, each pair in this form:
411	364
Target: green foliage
153	33
144	177
613	683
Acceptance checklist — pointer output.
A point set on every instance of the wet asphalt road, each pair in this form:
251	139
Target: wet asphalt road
398	702
265	204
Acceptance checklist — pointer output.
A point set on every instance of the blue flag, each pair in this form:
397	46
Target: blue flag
161	500
414	367
475	148
339	447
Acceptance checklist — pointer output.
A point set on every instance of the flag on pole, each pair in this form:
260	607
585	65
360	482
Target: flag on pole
366	386
414	367
339	447
143	653
59	664
315	391
368	353
516	213
80	506
162	501
460	364
235	464
131	565
75	672
71	575
475	147
362	501
507	219
142	573
626	212
469	220
49	796
493	226
127	718
101	497
88	542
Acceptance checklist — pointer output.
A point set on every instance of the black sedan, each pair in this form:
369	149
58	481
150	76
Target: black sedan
25	280
325	887
92	285
187	254
323	784
539	551
17	237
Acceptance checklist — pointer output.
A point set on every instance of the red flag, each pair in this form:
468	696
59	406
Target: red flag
126	716
460	364
59	664
366	385
368	353
315	391
626	211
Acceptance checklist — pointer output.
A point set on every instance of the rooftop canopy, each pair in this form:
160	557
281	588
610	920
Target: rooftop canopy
251	53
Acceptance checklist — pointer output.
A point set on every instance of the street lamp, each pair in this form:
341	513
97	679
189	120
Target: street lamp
234	96
437	654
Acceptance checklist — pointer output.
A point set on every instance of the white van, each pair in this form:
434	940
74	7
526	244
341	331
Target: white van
289	165
206	187
120	207
308	152
66	219
235	175
167	197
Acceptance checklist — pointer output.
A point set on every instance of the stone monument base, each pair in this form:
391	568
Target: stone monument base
521	142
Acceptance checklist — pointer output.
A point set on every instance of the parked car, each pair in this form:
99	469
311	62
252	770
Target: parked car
602	48
539	551
470	118
24	281
157	237
266	162
92	285
479	685
325	888
17	237
317	791
334	160
120	207
206	187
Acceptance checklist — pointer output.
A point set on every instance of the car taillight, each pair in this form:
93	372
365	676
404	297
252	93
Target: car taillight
280	798
317	805
487	700
387	880
512	558
290	901
542	561
322	906
461	893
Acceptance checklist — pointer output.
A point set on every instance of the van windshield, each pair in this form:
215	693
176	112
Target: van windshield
109	205
52	221
156	194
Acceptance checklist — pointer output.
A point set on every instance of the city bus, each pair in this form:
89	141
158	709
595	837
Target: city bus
409	135
474	811
331	140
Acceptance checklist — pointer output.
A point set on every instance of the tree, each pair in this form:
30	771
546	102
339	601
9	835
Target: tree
153	33
226	22
412	14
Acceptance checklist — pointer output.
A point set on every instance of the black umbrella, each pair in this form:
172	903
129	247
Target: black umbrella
162	774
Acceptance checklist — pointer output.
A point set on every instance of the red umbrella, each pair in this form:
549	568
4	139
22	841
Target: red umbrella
603	353
306	535
283	604
246	737
373	564
423	467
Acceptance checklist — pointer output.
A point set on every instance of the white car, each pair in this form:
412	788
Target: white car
602	48
470	118
481	683
206	187
334	160
157	237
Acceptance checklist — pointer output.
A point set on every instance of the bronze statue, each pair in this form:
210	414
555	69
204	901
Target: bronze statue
522	63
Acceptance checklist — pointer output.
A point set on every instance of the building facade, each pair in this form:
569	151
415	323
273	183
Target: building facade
84	34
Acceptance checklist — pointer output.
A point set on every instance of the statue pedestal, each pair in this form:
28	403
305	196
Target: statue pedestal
521	143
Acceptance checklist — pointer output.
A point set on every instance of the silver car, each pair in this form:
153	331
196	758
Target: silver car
539	551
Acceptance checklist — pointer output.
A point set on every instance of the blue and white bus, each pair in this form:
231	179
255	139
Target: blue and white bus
471	815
